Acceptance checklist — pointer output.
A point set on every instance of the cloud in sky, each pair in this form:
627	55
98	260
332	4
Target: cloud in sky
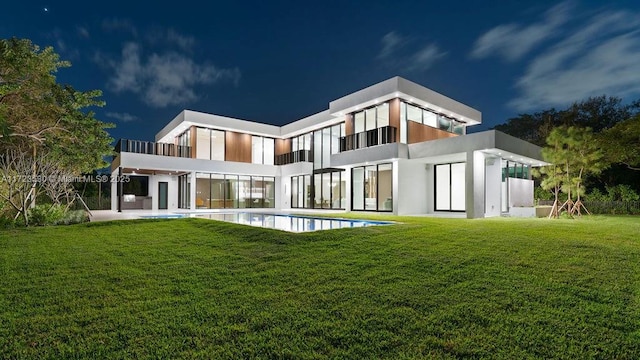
513	41
119	25
594	54
398	52
122	117
163	79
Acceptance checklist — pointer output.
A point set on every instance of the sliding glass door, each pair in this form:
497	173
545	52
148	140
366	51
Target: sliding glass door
450	187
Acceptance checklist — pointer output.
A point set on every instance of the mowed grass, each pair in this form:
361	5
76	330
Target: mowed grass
426	288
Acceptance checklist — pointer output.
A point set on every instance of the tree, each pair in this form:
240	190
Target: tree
621	143
45	121
573	153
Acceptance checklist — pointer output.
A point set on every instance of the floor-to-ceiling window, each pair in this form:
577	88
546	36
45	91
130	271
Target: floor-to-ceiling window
326	192
209	144
412	112
184	192
219	191
450	187
372	187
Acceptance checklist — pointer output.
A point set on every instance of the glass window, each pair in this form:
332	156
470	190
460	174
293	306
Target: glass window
306	140
370	188
385	187
301	191
326	190
270	192
203	191
257	192
217	145
217	191
414	113
317	204
268	152
256	149
294	144
203	144
458	128
244	192
443	187
430	118
444	123
336	195
383	115
458	187
308	194
326	147
357	179
370	119
231	197
358	123
335	139
294	191
317	149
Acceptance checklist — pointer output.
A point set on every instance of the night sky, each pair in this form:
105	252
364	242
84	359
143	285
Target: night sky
276	62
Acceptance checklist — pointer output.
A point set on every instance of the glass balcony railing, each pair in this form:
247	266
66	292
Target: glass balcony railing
152	148
293	157
365	139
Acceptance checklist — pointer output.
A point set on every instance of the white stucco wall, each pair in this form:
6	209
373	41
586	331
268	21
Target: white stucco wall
411	190
172	191
493	184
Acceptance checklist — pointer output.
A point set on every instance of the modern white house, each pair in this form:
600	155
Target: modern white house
393	147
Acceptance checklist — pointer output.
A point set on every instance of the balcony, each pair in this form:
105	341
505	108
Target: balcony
152	148
365	139
293	157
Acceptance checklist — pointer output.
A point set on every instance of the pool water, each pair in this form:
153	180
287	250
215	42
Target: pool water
291	223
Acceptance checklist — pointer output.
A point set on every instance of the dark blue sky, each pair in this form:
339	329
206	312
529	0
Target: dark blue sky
276	62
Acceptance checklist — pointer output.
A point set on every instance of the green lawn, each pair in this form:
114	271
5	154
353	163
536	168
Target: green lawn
193	288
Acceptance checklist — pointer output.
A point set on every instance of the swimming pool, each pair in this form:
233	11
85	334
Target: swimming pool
291	223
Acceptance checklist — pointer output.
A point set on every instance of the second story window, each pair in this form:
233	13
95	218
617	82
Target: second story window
371	118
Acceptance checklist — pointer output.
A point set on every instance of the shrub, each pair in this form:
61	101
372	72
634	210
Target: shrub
74	217
46	214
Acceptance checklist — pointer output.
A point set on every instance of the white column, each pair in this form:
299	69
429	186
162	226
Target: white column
474	190
192	195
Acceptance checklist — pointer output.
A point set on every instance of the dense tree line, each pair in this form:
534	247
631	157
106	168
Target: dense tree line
616	140
47	134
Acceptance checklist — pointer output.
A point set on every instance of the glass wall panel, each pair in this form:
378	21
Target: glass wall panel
257	192
430	118
370	119
217	191
357	179
370	187
217	145
231	188
443	187
317	187
317	149
294	191
308	197
301	191
256	149
414	113
335	139
326	147
458	187
268	152
343	192
336	195
306	142
385	187
203	191
444	123
184	192
458	128
326	190
244	191
294	143
358	122
270	192
383	115
203	143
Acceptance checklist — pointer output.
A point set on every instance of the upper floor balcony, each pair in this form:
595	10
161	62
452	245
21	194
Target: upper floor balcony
294	157
152	148
365	139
